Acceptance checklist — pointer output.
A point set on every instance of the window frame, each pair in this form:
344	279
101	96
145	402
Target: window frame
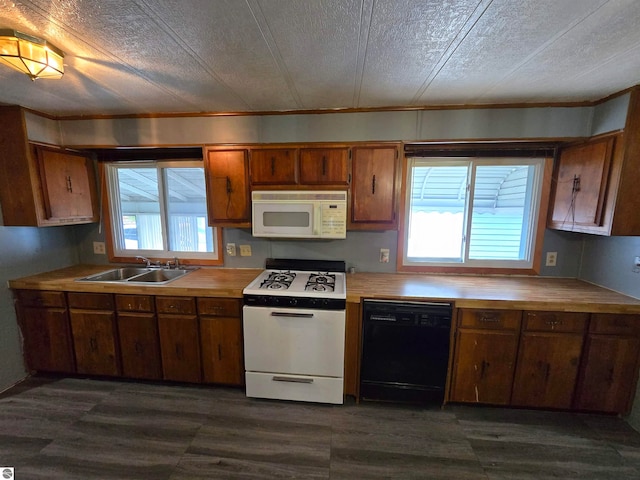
499	267
111	228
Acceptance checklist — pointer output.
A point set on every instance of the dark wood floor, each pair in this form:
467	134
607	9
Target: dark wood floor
91	429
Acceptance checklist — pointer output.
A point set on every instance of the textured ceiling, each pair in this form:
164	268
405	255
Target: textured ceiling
163	56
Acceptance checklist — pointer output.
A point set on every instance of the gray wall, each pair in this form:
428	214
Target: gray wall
25	251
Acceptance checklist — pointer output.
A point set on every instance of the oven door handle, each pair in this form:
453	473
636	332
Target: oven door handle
278	378
291	314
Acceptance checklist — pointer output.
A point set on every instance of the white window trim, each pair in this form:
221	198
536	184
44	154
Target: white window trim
115	212
473	162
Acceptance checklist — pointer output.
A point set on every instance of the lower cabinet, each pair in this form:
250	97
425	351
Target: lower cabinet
44	321
221	341
179	339
548	359
93	327
610	365
138	336
486	348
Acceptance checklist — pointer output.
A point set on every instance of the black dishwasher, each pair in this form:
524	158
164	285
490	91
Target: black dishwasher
405	351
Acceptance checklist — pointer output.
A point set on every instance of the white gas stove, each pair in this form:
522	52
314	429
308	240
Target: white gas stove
294	325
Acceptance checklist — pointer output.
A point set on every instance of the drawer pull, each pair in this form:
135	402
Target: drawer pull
292	379
489	319
292	314
553	323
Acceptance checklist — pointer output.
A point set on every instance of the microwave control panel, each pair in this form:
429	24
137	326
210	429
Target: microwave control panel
334	220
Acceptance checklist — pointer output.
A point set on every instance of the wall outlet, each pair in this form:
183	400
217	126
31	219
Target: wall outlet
552	259
99	248
245	250
636	265
231	249
384	255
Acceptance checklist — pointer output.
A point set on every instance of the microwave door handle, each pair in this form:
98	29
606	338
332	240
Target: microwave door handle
317	219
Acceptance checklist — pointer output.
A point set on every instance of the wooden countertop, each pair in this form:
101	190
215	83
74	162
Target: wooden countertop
506	292
468	291
204	282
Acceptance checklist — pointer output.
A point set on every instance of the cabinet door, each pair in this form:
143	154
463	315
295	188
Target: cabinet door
179	347
47	339
547	369
222	353
139	346
68	185
324	166
581	178
226	174
94	340
273	166
374	187
484	366
610	372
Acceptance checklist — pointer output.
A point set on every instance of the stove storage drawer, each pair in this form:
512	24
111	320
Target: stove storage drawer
303	388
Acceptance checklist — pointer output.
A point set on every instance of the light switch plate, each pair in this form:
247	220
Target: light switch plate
384	255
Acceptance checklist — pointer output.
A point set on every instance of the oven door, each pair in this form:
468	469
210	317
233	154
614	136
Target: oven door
294	341
275	219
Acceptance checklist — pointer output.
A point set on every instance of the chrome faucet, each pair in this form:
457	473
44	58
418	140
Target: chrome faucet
145	260
175	264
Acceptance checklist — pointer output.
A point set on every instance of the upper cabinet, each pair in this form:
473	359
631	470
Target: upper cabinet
42	186
273	166
299	166
324	166
227	187
375	187
595	182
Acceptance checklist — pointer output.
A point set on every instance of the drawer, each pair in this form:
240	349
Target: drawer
95	301
615	323
135	303
491	319
176	305
538	321
300	388
221	307
40	298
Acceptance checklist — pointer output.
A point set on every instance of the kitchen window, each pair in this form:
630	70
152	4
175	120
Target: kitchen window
158	210
474	213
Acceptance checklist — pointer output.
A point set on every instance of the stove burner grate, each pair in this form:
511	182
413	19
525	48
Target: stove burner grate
321	282
278	280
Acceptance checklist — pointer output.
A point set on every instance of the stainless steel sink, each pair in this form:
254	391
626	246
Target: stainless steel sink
137	275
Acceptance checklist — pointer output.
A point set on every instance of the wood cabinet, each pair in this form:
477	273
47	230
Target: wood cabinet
42	186
273	166
596	182
44	321
609	371
548	359
581	178
375	187
227	183
94	331
352	349
221	340
179	339
324	166
485	356
138	337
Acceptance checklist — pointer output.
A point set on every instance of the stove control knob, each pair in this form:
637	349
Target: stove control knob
293	301
313	302
275	301
262	300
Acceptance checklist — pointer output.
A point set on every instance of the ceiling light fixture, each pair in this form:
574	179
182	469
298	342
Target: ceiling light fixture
30	55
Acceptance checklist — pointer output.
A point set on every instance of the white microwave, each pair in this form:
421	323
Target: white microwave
299	214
